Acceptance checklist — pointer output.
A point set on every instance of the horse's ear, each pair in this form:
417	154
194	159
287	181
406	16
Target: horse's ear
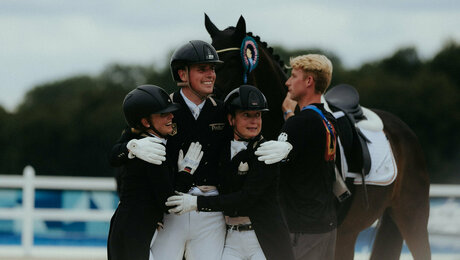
210	27
240	28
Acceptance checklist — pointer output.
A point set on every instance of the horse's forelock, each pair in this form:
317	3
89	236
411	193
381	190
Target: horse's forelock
226	39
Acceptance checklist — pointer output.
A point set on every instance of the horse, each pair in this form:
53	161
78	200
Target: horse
401	208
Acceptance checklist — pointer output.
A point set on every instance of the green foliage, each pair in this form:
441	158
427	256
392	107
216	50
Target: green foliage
405	62
8	153
67	127
447	61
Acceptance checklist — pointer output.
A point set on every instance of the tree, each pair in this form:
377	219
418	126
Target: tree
9	151
404	62
447	61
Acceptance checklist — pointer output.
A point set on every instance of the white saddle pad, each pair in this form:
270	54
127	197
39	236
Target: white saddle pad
383	168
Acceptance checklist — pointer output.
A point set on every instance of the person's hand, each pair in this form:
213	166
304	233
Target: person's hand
149	149
182	203
288	106
273	151
192	159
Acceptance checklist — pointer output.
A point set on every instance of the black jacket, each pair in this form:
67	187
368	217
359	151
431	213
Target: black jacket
254	194
210	129
143	190
306	177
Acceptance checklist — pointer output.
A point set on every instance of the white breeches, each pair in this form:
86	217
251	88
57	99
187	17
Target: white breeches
200	235
242	245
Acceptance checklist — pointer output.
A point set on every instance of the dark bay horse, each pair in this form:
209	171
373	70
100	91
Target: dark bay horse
402	207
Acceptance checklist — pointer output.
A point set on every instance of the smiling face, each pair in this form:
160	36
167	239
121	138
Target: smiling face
246	124
201	78
162	123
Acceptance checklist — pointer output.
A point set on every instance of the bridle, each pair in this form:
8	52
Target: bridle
228	49
249	54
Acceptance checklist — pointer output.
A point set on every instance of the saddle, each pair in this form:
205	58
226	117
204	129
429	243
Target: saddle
345	98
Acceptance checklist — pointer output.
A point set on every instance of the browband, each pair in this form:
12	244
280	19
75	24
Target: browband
228	49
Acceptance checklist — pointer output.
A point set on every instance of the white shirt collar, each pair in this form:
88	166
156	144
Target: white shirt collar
195	109
236	147
163	140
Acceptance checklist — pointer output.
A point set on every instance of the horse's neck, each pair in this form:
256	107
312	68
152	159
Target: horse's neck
270	79
269	75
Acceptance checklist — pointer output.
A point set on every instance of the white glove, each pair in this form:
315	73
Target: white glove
273	151
192	158
183	203
149	149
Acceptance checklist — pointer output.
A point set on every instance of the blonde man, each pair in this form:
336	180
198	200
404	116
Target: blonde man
308	173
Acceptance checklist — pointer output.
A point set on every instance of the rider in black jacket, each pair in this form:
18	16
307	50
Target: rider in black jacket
144	187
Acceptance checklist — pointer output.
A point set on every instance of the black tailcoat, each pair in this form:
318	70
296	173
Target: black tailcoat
210	129
143	190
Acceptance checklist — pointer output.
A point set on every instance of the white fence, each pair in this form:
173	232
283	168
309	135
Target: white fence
28	213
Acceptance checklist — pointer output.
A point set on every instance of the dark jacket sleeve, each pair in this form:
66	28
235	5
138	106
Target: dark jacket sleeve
119	153
256	183
183	181
161	183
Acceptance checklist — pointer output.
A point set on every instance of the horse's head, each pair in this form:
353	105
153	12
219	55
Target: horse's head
227	43
248	60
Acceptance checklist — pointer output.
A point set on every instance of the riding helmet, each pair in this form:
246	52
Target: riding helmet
246	97
145	100
193	52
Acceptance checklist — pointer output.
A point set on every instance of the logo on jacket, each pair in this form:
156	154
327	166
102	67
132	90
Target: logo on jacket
243	168
217	126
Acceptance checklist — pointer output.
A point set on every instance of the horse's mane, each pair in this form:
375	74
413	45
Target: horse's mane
270	50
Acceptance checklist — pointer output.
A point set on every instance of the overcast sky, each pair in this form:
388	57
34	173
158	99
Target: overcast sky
46	40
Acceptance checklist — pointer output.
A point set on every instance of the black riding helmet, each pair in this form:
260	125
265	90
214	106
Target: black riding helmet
246	97
193	52
145	100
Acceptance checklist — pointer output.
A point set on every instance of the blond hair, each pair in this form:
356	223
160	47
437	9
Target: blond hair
318	65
